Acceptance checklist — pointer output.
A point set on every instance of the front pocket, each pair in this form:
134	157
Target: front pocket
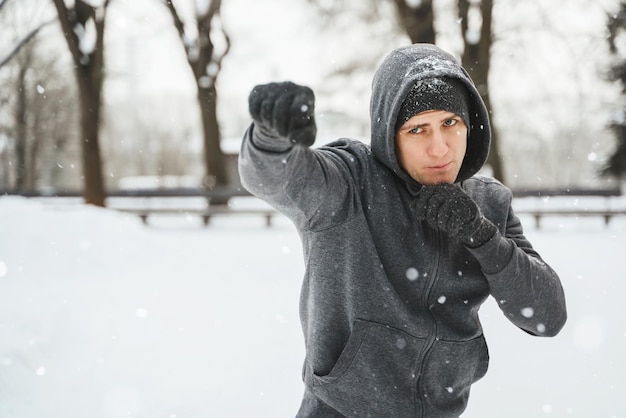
449	371
375	374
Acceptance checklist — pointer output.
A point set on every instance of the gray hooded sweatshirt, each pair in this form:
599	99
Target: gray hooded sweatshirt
389	306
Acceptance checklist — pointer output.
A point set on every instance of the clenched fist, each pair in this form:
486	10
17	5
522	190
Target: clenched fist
447	208
283	115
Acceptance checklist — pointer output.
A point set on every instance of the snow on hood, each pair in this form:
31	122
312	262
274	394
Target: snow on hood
397	74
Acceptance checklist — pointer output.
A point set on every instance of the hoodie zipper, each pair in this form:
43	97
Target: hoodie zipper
432	338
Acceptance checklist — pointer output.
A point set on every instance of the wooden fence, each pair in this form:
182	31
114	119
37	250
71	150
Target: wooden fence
197	202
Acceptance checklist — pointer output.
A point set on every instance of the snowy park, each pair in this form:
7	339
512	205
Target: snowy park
102	316
105	316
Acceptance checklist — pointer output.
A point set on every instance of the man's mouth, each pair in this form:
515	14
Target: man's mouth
440	167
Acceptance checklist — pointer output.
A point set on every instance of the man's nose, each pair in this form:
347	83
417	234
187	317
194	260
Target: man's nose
438	146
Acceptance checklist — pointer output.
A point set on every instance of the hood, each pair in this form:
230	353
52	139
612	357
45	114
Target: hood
397	74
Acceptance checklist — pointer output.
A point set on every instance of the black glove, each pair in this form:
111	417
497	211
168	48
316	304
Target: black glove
449	209
283	115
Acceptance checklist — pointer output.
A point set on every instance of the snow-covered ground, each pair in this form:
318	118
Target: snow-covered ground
103	317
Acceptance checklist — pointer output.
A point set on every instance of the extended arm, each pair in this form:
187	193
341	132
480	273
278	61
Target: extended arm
277	164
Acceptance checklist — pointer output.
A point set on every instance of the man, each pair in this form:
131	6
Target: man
402	240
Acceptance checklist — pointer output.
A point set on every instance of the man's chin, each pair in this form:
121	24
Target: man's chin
432	179
434	182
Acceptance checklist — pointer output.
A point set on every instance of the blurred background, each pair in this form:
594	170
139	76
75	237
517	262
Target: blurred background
100	95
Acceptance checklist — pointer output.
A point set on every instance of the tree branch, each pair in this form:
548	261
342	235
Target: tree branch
218	60
178	23
24	41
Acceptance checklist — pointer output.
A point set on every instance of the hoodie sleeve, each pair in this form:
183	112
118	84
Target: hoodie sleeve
527	290
312	187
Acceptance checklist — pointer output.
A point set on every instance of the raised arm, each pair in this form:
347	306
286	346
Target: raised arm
276	163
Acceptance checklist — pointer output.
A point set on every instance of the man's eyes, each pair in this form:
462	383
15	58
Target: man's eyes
420	129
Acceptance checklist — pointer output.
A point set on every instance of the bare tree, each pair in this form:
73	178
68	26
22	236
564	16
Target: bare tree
21	139
205	61
31	92
83	28
39	122
25	143
19	133
616	24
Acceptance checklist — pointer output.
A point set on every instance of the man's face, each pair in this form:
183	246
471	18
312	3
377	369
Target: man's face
431	146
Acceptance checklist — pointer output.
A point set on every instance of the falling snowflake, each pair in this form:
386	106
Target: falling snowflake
400	343
527	312
412	273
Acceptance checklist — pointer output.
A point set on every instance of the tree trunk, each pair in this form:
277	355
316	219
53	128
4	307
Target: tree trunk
476	60
89	73
206	64
213	155
418	22
32	175
21	137
94	192
616	164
